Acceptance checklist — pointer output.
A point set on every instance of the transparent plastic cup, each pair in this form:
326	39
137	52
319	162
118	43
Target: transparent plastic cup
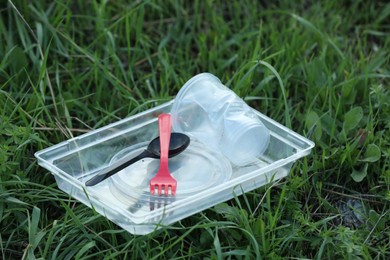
216	116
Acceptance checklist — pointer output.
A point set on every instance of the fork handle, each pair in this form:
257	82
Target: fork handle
164	125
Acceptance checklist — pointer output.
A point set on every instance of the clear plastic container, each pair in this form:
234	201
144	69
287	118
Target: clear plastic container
209	111
205	176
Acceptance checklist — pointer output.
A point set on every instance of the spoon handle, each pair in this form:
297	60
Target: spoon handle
116	167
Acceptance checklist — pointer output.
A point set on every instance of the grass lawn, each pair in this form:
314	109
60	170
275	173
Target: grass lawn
67	67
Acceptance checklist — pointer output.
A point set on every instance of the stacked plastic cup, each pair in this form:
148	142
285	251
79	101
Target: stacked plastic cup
216	116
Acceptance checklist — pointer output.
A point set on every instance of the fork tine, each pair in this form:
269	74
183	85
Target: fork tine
168	189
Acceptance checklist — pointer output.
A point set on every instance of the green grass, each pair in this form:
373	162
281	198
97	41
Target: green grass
322	68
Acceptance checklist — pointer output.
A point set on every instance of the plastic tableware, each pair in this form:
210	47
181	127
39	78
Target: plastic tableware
204	175
215	115
163	179
179	142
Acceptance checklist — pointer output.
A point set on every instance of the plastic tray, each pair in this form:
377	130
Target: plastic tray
75	161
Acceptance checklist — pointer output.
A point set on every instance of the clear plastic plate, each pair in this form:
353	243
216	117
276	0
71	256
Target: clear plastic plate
196	169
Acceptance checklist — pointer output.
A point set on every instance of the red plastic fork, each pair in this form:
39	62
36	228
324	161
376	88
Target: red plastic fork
163	179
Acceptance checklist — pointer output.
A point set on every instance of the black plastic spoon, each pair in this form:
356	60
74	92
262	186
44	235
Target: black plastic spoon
179	142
